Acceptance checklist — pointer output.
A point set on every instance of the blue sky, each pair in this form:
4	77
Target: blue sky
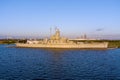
72	17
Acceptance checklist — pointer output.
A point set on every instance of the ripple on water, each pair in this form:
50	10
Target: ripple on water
25	63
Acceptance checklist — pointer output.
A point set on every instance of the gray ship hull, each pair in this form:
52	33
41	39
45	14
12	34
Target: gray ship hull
69	46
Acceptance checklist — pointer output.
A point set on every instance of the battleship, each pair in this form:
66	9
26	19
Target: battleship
56	41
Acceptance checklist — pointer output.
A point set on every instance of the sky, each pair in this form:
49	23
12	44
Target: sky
95	18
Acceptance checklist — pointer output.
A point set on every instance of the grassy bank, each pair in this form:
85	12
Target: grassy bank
114	44
11	41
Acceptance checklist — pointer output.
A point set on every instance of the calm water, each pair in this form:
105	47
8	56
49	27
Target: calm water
24	63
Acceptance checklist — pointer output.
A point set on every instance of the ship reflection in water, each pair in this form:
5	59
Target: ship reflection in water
55	64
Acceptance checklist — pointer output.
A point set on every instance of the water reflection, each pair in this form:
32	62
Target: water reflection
49	64
56	66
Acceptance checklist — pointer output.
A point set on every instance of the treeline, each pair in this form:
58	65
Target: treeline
12	41
114	44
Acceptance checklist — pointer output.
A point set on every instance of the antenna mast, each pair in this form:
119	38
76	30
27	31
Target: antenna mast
50	31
